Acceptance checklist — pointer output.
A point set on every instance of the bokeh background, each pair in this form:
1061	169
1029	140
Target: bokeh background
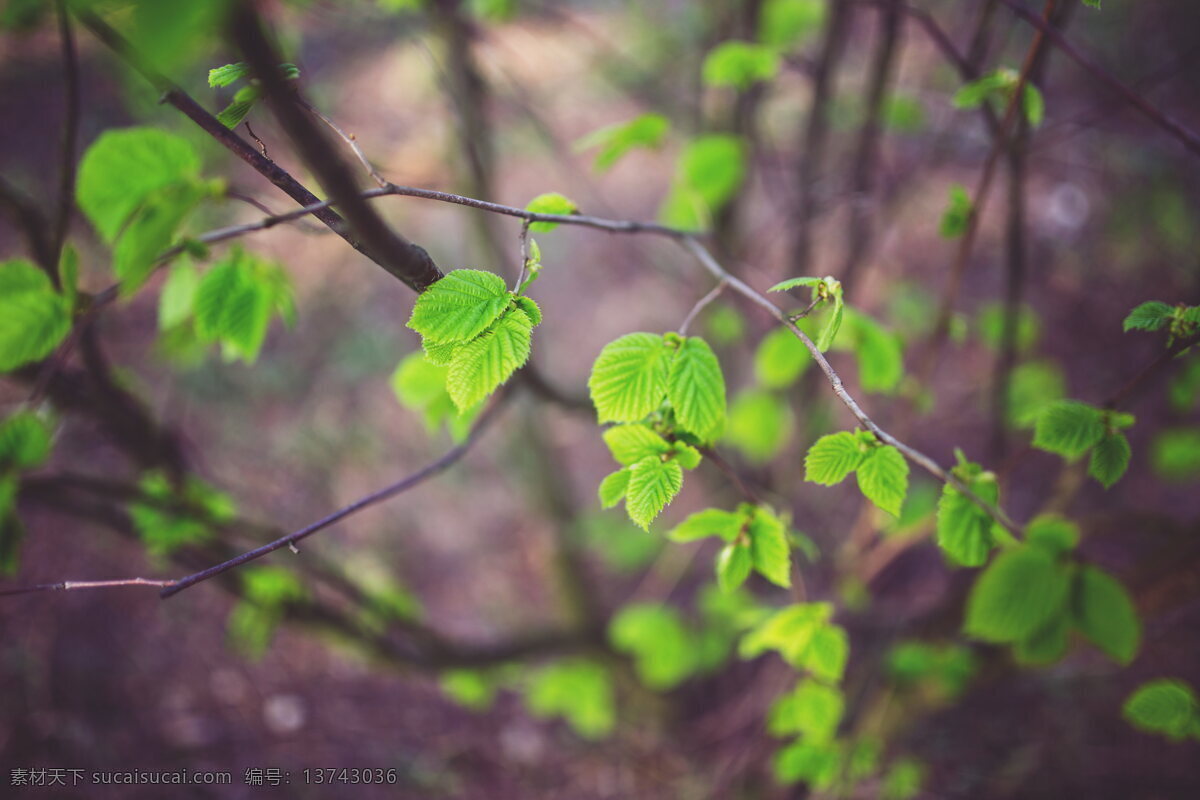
511	541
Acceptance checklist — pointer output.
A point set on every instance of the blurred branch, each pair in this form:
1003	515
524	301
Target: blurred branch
29	218
1189	139
68	166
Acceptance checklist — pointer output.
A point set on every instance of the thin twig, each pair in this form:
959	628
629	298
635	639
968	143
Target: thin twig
349	139
70	586
701	304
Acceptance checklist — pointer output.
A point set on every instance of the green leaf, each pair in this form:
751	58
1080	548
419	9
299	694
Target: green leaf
782	23
228	74
1150	316
631	443
818	764
663	649
687	456
123	168
460	306
531	310
1104	612
613	488
440	354
550	203
178	296
964	530
1032	386
614	141
769	548
811	710
34	318
781	358
760	424
25	441
1092	3
903	780
710	171
877	351
957	214
991	326
488	360
12	532
696	389
233	305
834	323
1068	428
1052	533
789	631
652	484
1110	459
975	93
792	283
827	653
579	691
151	231
171	518
832	458
733	566
1022	590
469	688
740	65
1044	646
1163	706
709	522
240	107
1034	105
1175	453
629	377
883	478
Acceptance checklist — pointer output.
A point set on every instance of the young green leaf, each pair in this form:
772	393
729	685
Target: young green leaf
631	443
616	140
1163	706
781	358
1052	533
1034	105
834	323
151	231
550	203
782	23
734	563
24	443
1068	428
709	522
629	377
792	283
123	168
613	487
460	306
178	296
662	647
964	530
1046	645
877	352
1022	590
769	548
760	424
488	360
827	654
696	389
1149	316
832	458
1110	459
577	690
711	169
228	74
34	318
957	214
883	478
239	107
531	310
233	306
653	483
740	65
812	710
1104	612
440	354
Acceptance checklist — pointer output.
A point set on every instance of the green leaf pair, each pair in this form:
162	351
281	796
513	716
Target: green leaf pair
1001	84
755	539
635	375
1180	321
470	323
806	639
740	65
664	650
651	474
881	470
1033	595
1070	429
246	97
578	690
614	141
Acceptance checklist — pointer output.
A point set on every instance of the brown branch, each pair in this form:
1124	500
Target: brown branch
1188	138
32	223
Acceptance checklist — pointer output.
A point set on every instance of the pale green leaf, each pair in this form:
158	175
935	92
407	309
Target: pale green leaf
460	306
631	443
760	424
34	318
613	488
832	458
781	358
653	483
1068	428
663	649
228	74
484	363
577	690
629	377
811	710
739	65
883	478
550	203
709	522
827	653
964	530
1110	459
614	141
696	389
151	231
178	295
733	566
769	548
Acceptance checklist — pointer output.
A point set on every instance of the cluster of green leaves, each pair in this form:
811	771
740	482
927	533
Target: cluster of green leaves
266	594
170	516
1180	321
247	96
137	186
941	670
741	64
1071	429
1035	593
671	393
1166	707
579	690
616	140
25	443
1000	85
231	305
474	326
34	317
756	539
881	470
